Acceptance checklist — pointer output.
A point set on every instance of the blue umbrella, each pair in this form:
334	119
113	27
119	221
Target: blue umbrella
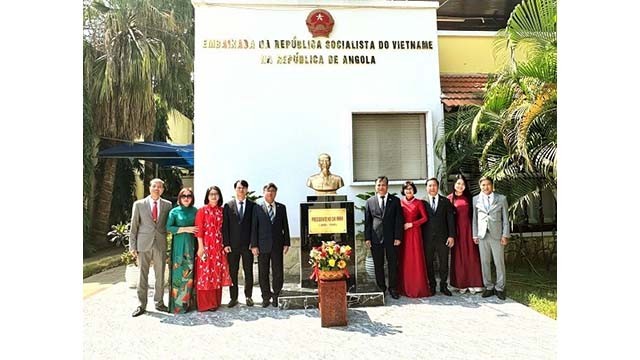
161	153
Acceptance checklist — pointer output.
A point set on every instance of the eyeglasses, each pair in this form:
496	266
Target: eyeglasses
186	196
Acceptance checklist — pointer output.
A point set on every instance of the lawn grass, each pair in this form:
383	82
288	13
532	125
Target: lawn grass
538	292
100	262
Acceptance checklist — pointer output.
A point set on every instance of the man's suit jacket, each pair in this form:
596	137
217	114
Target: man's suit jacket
442	223
383	227
235	233
267	236
495	221
145	233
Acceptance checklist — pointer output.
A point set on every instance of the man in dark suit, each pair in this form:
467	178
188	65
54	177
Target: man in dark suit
148	242
270	240
236	233
438	235
383	230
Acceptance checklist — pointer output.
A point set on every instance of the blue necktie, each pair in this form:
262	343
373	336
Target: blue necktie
271	214
433	203
382	207
241	213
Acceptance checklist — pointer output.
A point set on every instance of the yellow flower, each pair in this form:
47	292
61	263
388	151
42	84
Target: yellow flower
332	262
330	251
342	264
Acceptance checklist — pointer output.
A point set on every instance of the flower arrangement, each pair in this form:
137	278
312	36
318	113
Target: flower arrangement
329	257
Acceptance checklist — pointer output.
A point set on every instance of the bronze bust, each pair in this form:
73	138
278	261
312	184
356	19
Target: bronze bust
325	182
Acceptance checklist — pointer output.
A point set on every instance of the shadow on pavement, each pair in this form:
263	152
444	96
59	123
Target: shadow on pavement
224	316
359	321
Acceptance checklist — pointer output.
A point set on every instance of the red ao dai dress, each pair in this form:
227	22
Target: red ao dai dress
412	269
213	272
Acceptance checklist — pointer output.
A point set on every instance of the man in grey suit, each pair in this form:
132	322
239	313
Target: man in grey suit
148	242
491	232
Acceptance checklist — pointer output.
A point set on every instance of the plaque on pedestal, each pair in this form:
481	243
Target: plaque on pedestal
325	221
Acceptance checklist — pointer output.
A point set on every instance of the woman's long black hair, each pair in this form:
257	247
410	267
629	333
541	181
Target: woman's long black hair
466	193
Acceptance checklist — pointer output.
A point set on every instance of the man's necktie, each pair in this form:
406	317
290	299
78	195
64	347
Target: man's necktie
271	214
241	213
433	203
154	211
382	207
488	204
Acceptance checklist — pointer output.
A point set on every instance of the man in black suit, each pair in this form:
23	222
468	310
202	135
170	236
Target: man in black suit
236	233
270	240
383	229
438	235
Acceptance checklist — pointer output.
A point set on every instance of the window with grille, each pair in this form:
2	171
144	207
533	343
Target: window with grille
389	144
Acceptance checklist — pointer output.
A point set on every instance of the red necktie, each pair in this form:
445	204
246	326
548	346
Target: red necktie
154	212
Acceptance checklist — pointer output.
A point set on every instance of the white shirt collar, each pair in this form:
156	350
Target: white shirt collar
380	200
429	198
151	203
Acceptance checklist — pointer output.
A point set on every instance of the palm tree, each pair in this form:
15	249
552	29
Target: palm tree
129	40
512	136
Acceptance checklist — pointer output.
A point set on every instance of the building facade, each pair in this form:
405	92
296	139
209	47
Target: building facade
271	95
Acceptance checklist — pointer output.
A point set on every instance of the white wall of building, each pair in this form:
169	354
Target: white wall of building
269	122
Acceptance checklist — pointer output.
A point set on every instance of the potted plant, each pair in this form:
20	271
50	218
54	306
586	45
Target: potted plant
119	235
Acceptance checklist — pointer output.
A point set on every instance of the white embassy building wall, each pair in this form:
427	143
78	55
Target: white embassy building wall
264	110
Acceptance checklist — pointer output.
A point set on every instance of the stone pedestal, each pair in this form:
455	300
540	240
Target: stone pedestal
328	206
332	297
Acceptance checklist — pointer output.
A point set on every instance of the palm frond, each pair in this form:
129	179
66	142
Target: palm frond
533	22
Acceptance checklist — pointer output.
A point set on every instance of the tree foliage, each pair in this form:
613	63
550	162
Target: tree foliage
135	51
512	136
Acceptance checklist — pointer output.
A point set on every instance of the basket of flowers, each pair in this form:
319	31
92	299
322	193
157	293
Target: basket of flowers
330	261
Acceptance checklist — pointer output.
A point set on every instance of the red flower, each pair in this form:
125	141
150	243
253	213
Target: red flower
186	297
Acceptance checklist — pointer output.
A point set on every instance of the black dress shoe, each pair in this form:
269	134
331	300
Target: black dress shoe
487	293
233	303
265	303
275	301
162	307
394	294
139	311
445	291
501	295
249	302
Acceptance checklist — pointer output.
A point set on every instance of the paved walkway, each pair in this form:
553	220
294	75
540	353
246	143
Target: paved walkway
458	327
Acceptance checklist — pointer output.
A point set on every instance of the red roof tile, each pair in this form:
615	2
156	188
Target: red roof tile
462	89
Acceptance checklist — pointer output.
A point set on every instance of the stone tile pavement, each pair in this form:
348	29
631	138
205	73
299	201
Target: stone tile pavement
458	327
